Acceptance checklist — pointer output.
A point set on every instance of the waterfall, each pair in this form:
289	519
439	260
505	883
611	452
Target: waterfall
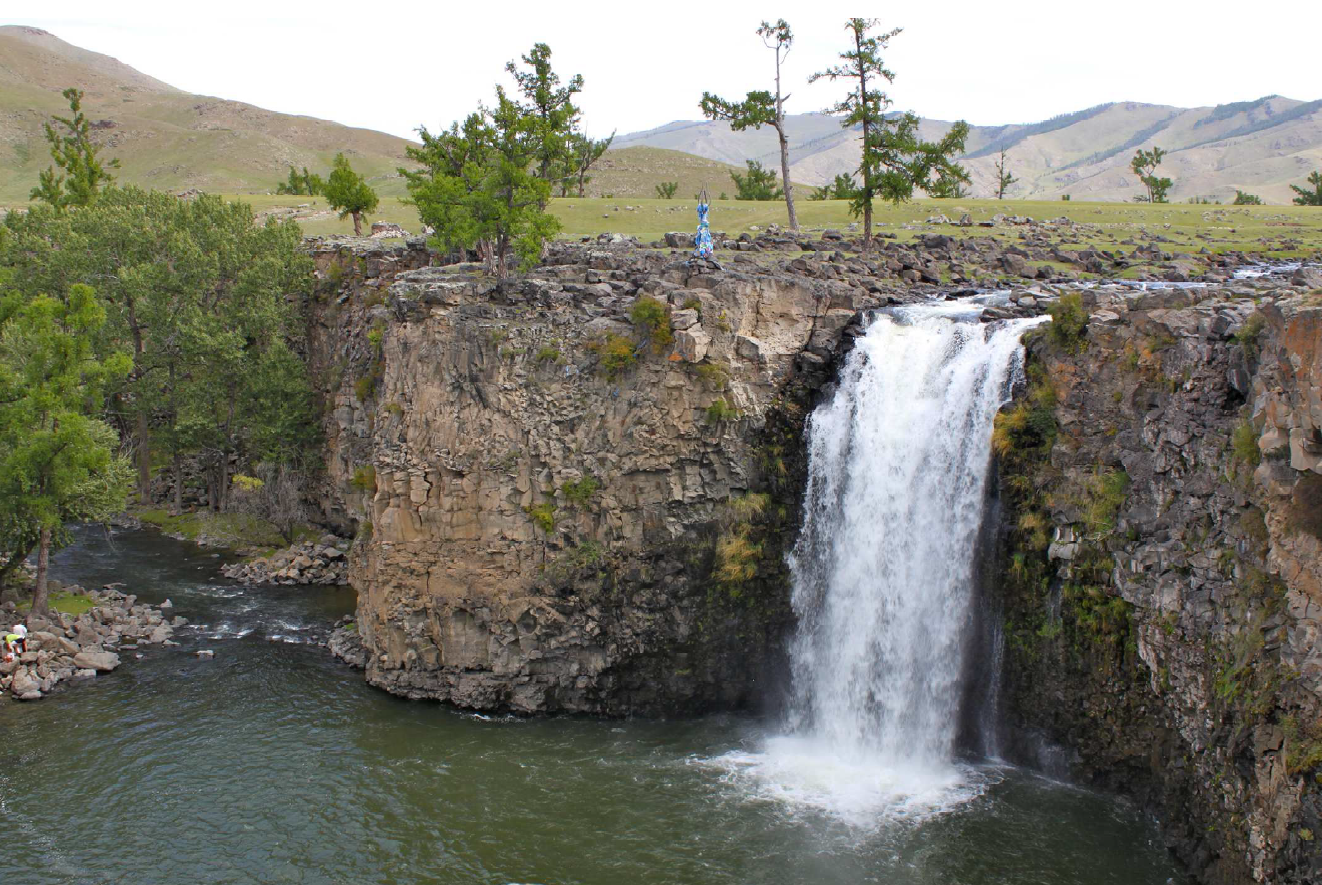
883	570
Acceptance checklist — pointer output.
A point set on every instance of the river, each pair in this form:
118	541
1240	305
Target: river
274	763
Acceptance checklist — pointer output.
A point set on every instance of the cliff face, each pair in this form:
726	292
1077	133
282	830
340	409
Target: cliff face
1160	570
557	510
555	513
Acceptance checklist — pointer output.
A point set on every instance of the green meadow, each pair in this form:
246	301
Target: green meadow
1278	231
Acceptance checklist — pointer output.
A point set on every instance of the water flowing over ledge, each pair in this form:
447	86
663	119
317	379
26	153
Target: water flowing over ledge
883	572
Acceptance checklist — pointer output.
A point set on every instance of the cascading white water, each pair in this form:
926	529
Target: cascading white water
883	571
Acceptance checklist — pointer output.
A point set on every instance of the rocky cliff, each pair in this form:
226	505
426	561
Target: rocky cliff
563	501
1160	564
573	492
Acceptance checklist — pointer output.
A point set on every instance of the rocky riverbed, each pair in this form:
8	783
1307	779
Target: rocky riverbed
62	648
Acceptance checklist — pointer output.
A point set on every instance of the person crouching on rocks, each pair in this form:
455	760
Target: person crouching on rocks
13	640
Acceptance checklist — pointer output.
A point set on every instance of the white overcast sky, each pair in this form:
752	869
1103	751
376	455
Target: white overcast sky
395	65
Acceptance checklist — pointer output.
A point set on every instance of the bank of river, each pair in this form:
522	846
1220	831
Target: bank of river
273	763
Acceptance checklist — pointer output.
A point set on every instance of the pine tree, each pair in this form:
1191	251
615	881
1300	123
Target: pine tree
895	160
304	184
1003	177
347	193
1307	197
1145	165
84	175
842	188
554	116
58	460
756	184
761	108
480	186
584	153
199	297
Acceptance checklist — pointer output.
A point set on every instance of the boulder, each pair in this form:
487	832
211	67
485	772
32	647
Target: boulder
24	683
1307	278
679	240
1016	265
96	660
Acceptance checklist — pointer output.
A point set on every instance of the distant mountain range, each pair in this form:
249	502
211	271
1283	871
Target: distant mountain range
173	140
1257	146
164	137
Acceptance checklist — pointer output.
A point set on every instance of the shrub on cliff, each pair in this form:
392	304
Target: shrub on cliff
1244	443
651	322
1069	322
615	355
579	492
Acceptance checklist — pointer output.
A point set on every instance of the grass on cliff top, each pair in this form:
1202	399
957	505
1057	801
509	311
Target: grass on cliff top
236	530
72	604
1281	231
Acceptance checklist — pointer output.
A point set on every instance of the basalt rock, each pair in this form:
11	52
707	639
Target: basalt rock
1160	569
539	486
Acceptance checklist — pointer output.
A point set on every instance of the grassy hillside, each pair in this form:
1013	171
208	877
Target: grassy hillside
164	138
635	172
1259	146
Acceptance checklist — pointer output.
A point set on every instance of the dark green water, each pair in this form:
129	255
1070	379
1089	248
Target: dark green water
273	764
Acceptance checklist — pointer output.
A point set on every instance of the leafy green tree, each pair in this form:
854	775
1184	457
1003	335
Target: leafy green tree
1246	199
761	108
1144	164
553	115
757	184
305	184
895	160
1307	197
1003	177
666	190
84	175
199	297
479	188
584	153
842	188
57	458
347	193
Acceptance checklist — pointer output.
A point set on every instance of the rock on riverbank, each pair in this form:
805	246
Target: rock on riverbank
320	563
62	648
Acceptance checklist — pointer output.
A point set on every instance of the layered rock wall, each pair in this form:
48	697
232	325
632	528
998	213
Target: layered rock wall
558	509
1160	567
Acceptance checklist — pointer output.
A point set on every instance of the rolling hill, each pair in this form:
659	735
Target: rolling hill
164	138
173	140
1258	146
